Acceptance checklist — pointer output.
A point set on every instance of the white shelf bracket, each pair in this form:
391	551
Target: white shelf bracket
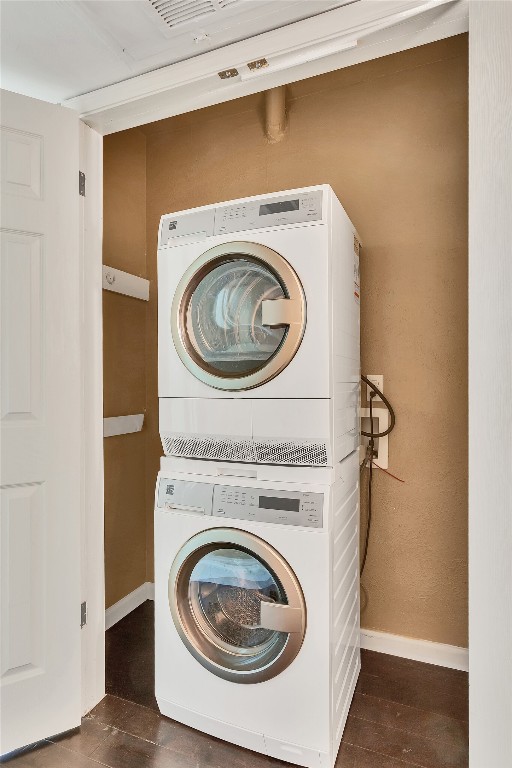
122	425
122	282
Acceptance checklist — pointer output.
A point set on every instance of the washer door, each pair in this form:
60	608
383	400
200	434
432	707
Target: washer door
237	605
238	316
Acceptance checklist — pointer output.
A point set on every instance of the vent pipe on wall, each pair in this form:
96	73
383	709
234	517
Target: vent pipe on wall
275	114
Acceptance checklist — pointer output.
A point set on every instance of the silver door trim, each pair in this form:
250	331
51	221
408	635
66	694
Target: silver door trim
207	648
289	312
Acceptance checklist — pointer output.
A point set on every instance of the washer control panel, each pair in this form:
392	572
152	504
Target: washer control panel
242	503
268	506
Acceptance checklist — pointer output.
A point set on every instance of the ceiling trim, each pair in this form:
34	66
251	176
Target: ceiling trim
351	34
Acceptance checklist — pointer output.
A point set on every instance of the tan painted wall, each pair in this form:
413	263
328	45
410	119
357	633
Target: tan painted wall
124	350
390	136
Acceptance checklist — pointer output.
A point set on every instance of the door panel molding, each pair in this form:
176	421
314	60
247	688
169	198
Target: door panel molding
22	159
23	324
23	576
40	422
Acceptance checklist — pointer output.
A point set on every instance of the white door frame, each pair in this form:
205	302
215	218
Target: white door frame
93	568
332	40
490	375
490	342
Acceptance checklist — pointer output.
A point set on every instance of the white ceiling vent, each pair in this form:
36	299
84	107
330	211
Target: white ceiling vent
177	12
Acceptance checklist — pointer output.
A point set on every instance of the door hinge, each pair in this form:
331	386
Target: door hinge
83	615
81	183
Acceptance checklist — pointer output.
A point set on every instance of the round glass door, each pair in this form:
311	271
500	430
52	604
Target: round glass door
237	605
238	316
224	318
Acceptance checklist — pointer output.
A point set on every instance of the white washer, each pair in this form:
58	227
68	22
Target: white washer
259	330
257	604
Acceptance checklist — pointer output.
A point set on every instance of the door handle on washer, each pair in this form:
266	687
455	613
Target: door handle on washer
282	618
184	508
281	312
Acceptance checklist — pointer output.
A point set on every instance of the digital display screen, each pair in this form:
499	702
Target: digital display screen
282	207
272	502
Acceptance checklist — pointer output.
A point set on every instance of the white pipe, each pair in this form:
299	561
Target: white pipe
275	114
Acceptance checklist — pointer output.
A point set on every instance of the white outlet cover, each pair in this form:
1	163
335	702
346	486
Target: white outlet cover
382	414
378	380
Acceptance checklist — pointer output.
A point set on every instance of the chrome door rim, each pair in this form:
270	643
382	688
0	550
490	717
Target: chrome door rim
286	351
212	653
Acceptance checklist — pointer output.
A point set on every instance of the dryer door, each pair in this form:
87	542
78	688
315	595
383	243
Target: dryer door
237	605
238	316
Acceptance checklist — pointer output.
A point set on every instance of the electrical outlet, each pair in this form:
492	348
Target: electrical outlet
378	380
380	424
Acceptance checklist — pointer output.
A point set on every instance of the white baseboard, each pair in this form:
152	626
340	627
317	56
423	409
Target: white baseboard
129	603
442	655
451	656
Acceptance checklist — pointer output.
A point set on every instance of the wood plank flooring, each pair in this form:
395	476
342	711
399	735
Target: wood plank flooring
404	714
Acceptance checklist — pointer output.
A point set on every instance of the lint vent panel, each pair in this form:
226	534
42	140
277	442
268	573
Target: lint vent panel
178	12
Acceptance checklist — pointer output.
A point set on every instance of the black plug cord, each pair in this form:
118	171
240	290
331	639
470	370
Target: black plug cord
388	405
368	460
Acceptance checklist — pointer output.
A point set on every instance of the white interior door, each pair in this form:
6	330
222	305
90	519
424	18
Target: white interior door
40	422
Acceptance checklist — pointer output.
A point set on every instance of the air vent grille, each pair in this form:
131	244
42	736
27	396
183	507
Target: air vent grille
177	12
306	453
294	453
223	449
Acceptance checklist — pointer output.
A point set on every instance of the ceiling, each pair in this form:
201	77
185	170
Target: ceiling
57	49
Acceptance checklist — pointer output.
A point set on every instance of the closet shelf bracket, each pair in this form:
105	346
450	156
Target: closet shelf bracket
122	425
122	282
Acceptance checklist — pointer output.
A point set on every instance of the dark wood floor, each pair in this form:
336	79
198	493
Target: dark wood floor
404	714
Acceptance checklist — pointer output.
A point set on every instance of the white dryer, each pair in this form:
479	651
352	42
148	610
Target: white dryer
259	330
257	604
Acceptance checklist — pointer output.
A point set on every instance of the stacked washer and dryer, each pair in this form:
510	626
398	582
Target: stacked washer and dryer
257	498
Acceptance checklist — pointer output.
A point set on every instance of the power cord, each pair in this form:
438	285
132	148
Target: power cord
370	455
392	419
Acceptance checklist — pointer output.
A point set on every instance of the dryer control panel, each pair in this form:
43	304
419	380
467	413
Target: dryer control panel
272	211
242	503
